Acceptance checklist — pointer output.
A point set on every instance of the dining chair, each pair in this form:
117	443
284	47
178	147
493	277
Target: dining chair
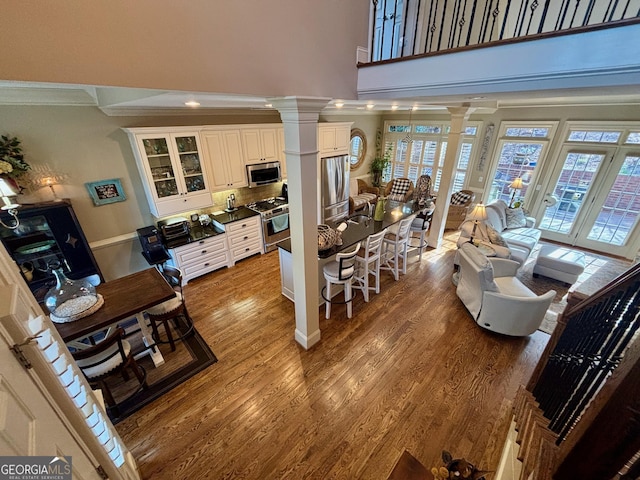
172	309
111	356
340	272
395	245
368	263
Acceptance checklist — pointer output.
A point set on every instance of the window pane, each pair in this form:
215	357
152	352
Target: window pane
577	175
621	210
516	160
594	136
527	132
634	137
428	129
416	151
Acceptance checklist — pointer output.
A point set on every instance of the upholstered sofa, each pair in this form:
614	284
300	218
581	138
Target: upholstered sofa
504	227
494	296
360	195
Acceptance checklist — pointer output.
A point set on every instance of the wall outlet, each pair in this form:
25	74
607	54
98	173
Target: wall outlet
480	178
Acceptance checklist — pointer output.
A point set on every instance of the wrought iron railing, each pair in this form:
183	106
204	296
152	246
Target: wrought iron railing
592	344
404	28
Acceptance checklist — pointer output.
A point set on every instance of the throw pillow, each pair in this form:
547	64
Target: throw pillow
399	189
495	237
460	198
515	218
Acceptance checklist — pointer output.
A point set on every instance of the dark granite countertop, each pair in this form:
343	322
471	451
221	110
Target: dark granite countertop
197	232
239	214
394	212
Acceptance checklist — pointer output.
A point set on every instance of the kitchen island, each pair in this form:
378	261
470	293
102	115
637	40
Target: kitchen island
355	232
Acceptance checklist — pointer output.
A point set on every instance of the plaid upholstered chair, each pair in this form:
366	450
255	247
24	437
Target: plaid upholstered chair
460	203
399	189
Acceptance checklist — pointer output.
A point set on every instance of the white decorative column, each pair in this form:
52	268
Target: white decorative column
459	117
300	119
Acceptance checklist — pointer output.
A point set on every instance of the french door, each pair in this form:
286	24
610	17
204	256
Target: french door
598	199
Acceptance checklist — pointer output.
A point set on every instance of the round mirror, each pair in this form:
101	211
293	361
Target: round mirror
358	148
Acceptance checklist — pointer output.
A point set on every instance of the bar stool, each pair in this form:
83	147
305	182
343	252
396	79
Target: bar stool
395	246
368	256
420	225
340	272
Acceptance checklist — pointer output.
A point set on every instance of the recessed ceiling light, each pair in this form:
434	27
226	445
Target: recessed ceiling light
415	107
394	107
478	98
339	104
268	105
192	103
370	106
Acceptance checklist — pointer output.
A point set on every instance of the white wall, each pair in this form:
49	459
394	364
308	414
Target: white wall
287	47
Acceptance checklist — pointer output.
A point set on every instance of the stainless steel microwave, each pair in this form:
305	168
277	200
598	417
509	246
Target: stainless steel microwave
263	173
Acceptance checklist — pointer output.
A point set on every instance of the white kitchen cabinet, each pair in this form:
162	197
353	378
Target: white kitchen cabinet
334	138
261	144
203	256
224	157
244	238
283	157
173	174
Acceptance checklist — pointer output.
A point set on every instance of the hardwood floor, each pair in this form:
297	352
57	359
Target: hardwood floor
410	370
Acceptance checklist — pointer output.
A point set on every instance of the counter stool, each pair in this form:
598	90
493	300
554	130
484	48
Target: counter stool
170	310
395	246
420	225
340	272
368	263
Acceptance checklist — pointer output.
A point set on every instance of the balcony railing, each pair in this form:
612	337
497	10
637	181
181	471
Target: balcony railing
405	28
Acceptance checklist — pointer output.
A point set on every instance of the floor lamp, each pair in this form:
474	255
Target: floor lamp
478	214
515	185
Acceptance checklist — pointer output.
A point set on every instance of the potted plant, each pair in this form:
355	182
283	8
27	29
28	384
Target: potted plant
12	164
457	468
380	161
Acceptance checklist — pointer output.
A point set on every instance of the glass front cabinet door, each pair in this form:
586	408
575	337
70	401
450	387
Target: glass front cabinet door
172	170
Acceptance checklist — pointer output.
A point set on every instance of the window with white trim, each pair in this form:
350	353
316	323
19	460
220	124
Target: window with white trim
521	148
419	147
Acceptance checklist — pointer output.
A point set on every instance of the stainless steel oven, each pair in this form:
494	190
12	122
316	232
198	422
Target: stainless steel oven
274	213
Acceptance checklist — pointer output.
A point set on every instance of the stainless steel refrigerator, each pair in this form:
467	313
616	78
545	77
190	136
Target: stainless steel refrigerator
335	188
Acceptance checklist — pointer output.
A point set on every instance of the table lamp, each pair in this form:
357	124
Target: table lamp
12	208
515	185
44	176
478	214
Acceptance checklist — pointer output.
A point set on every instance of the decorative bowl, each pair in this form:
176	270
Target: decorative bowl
326	237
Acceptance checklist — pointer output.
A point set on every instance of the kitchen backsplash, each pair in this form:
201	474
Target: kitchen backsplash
243	197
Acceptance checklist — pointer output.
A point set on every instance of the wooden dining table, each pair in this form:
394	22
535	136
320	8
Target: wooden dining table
124	298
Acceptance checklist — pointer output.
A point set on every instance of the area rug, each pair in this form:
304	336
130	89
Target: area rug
192	355
599	271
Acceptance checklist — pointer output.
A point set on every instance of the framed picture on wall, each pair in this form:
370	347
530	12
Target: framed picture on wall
106	191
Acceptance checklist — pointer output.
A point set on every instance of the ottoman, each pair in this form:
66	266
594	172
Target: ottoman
559	263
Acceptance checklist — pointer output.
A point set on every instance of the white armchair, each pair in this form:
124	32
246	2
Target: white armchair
496	299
